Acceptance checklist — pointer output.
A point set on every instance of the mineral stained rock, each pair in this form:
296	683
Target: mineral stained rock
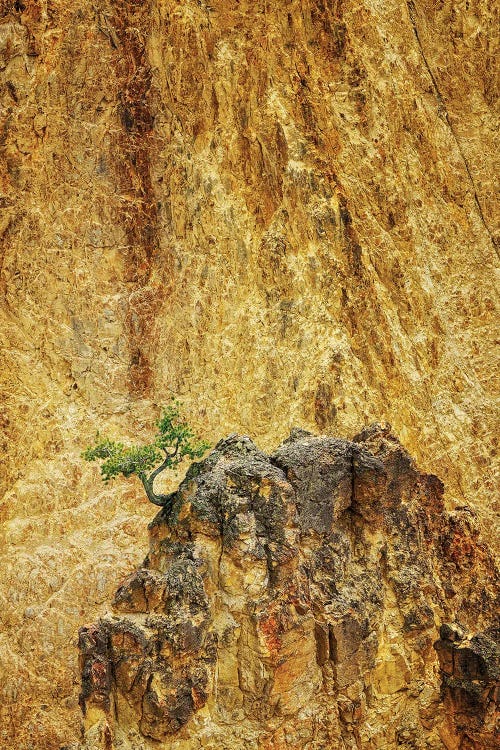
281	212
320	597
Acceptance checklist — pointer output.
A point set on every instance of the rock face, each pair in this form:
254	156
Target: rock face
282	213
318	597
471	686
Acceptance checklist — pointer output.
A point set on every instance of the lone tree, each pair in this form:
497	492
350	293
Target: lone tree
174	441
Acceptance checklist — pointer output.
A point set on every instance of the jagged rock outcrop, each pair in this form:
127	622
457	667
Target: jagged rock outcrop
317	597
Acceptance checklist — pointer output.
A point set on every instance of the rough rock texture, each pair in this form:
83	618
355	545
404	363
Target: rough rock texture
281	212
471	686
318	597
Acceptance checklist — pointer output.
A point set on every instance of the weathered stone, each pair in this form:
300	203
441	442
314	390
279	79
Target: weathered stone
471	687
298	599
286	214
321	474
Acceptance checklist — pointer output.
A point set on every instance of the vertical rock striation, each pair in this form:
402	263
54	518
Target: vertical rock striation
295	600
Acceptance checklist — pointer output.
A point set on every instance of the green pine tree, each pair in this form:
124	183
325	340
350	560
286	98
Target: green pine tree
173	441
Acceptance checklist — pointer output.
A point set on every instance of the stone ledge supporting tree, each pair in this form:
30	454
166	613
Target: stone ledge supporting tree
174	441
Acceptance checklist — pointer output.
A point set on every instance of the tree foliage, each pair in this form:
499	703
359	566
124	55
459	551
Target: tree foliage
174	441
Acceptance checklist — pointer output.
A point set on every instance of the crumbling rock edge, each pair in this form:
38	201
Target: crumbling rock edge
318	597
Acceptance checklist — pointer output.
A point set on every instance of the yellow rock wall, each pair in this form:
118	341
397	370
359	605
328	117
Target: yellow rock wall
281	212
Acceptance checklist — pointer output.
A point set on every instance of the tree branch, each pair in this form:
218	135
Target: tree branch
148	487
173	455
148	482
160	468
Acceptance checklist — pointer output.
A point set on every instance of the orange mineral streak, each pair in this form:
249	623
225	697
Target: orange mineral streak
272	629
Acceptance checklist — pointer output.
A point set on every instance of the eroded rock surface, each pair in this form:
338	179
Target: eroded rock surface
317	597
471	686
281	212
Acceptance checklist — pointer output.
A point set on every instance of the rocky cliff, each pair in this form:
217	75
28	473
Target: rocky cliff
283	213
318	597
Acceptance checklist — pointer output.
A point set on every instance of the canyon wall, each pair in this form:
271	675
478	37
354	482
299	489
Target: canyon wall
281	213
